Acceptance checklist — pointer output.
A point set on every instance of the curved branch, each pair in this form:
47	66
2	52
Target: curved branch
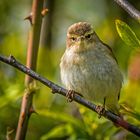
130	9
60	90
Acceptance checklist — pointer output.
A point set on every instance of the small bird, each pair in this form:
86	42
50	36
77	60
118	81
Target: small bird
89	67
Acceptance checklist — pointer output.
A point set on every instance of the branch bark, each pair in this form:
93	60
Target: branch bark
60	90
130	9
33	45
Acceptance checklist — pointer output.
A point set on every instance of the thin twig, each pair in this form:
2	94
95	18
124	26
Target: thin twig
58	89
130	9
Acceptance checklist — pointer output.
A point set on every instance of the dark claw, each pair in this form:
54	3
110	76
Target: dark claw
70	95
100	110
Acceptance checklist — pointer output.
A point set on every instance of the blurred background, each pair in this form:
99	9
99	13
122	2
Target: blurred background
57	119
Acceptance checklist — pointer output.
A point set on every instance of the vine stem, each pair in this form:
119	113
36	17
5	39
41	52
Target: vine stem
26	110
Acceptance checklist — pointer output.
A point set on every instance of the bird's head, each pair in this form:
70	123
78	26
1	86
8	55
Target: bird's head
81	37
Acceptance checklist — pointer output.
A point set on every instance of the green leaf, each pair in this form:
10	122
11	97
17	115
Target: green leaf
59	131
62	117
11	94
127	34
127	109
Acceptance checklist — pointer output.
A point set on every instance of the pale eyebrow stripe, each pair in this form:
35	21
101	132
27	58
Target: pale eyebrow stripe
72	35
89	33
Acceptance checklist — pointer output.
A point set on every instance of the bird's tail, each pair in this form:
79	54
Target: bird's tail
114	108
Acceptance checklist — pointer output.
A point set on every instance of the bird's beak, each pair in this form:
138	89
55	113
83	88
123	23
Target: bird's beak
80	41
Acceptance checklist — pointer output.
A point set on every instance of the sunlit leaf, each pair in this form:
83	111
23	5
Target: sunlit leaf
12	93
62	117
59	131
127	34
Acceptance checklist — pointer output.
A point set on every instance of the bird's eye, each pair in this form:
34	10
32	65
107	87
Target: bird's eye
88	36
73	38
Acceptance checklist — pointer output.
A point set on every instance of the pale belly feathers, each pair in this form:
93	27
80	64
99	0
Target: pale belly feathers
94	78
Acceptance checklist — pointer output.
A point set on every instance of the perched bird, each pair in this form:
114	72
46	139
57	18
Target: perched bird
89	67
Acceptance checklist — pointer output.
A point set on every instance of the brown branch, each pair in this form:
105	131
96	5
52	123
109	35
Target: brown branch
33	45
60	90
130	9
47	24
34	37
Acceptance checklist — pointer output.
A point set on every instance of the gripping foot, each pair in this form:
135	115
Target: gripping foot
100	110
70	95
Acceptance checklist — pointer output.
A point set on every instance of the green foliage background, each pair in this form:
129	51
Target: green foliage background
57	119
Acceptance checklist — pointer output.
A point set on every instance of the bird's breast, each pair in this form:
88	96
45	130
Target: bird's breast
90	74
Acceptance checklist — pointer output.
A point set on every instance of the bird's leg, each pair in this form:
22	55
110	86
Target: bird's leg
101	109
104	103
70	95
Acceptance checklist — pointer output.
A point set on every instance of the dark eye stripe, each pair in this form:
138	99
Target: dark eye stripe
89	36
73	38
